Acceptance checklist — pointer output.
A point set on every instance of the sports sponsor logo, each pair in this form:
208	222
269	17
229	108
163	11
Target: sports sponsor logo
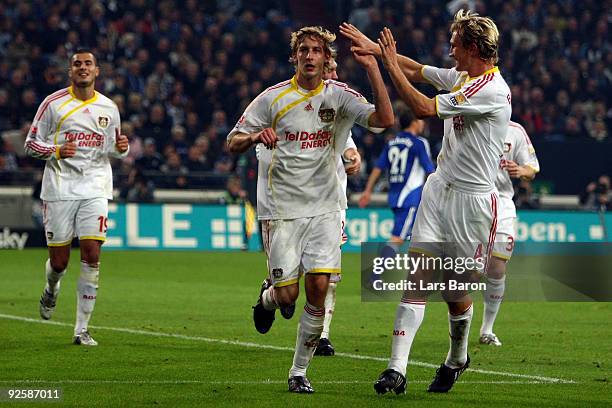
13	240
457	99
34	130
103	121
89	297
308	107
327	115
310	140
83	139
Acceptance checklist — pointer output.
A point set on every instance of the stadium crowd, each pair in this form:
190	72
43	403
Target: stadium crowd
182	71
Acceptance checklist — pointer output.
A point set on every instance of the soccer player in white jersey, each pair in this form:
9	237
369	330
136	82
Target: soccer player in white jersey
300	204
75	130
348	164
459	202
519	161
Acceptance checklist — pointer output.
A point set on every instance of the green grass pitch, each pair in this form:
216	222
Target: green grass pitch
203	300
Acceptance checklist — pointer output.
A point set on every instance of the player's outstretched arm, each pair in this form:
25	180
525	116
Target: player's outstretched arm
362	45
364	200
241	142
383	116
421	105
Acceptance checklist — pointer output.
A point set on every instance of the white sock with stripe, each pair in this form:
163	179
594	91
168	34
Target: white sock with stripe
459	331
407	322
330	304
308	335
87	289
53	278
493	296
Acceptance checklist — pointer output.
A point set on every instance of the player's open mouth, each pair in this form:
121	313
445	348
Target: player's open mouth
309	67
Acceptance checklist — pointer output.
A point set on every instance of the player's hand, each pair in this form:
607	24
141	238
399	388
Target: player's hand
388	49
122	143
513	169
360	43
364	200
365	60
267	137
355	162
68	149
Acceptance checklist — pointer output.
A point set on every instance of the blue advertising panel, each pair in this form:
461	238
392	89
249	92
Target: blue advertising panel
218	227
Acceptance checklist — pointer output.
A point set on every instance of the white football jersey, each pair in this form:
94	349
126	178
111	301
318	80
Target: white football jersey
302	179
350	144
93	126
264	157
517	148
476	112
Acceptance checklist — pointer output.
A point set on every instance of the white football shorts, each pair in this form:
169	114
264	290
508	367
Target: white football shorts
455	223
64	220
504	237
302	245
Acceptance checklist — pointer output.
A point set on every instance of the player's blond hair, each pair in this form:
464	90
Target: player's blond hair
317	32
481	31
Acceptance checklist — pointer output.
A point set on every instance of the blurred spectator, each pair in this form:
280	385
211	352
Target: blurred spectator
525	199
174	171
597	195
150	160
234	194
138	188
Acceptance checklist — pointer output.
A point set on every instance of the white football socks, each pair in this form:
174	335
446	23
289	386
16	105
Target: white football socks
330	304
87	288
407	322
493	296
459	331
268	300
53	278
308	335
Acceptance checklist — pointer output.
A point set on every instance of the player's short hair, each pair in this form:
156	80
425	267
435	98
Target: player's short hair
332	65
405	116
326	37
84	51
482	31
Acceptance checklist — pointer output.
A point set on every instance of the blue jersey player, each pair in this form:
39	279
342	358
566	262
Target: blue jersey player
408	162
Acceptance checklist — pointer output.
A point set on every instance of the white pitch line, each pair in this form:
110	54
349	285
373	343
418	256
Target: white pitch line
280	348
261	382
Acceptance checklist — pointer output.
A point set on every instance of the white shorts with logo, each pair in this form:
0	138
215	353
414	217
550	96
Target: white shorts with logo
64	220
506	231
453	222
302	245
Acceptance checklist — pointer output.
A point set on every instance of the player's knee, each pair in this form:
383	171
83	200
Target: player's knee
58	263
90	252
286	295
497	268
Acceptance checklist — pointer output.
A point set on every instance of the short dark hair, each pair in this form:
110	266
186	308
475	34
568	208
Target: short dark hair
406	117
84	51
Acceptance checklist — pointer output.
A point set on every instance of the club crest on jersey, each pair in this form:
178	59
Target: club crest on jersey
49	235
277	273
327	115
507	147
103	121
